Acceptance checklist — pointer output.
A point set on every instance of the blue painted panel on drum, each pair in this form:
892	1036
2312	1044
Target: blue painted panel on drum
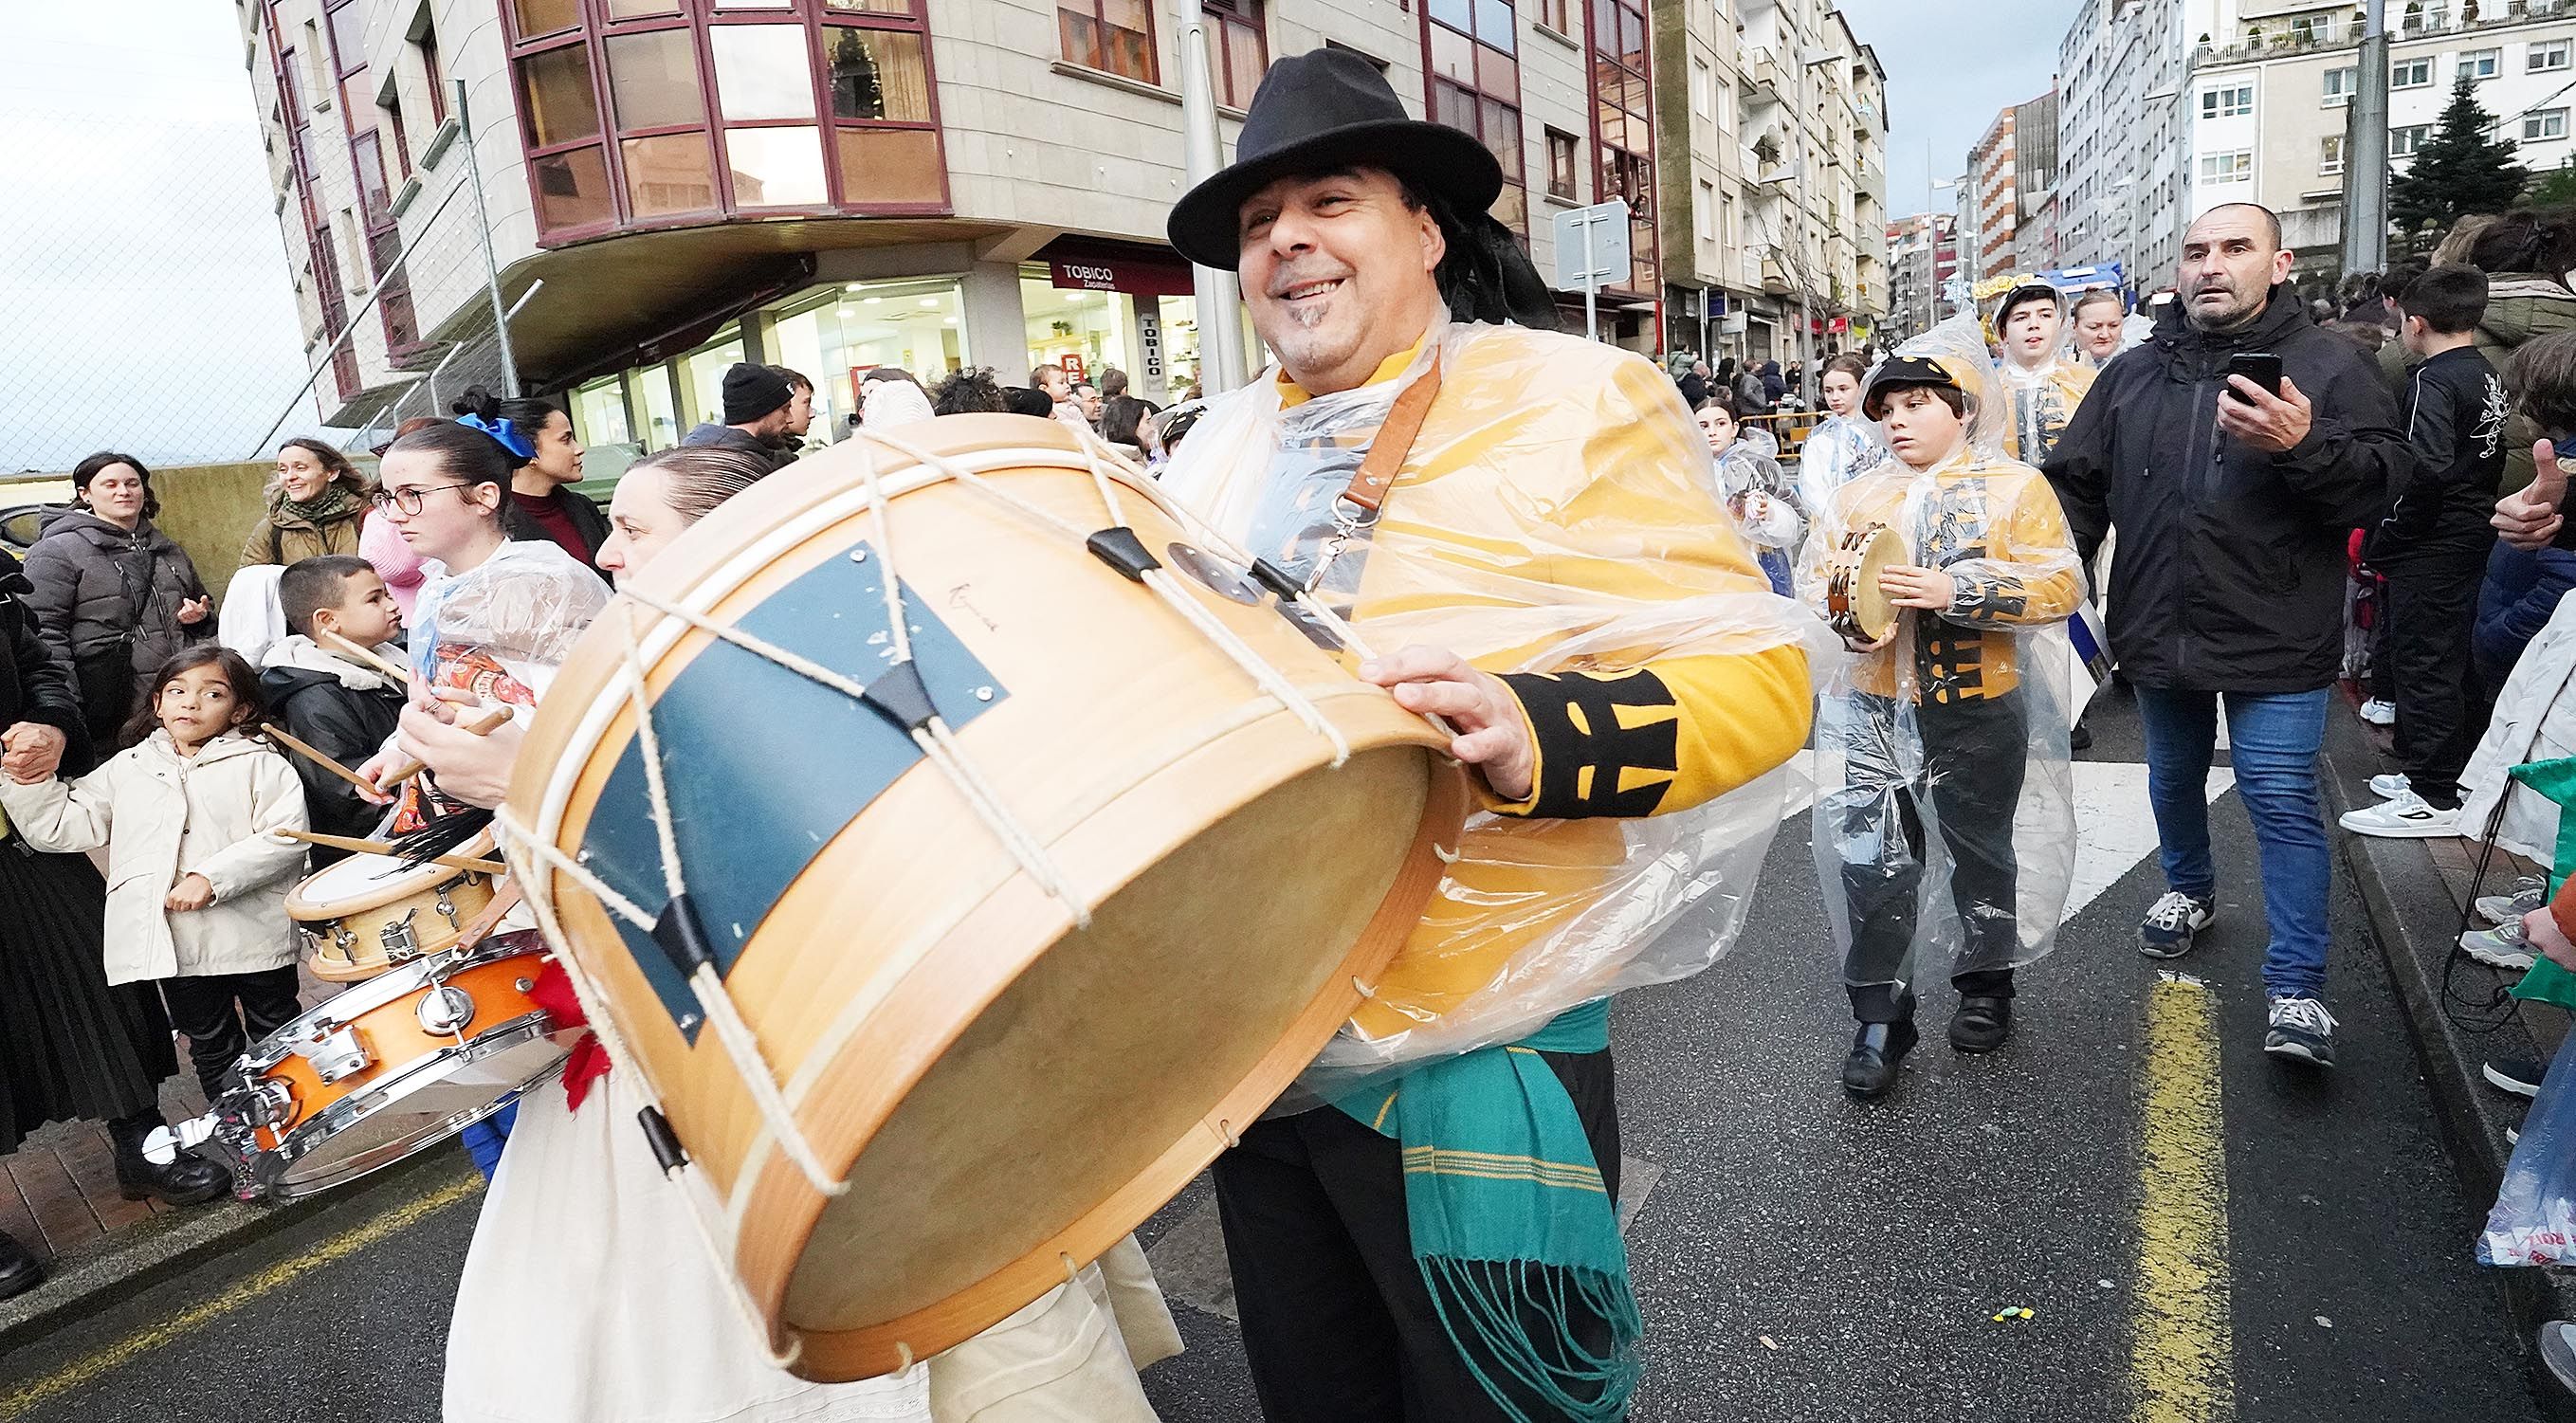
764	765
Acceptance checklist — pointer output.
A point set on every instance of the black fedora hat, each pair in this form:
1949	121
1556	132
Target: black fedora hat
1326	109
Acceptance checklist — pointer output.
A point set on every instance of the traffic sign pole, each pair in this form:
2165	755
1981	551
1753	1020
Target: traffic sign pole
1591	290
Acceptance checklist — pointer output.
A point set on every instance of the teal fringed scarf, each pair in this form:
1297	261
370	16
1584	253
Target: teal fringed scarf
2545	981
1512	1226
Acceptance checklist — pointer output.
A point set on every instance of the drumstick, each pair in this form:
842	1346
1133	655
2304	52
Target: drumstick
482	723
367	655
278	734
385	847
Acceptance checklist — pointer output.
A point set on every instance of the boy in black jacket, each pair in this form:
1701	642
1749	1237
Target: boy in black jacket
2432	546
337	706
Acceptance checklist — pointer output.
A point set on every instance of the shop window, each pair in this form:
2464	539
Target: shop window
599	413
1237	49
1113	36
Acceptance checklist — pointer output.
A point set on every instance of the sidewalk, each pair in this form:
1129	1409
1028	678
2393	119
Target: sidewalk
2413	892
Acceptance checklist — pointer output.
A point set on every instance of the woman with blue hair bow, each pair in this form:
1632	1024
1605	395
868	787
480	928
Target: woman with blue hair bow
543	503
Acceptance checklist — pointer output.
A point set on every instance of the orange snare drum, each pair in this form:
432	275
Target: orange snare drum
391	1066
1855	606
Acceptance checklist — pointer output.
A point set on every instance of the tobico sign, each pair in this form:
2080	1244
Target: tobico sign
1135	277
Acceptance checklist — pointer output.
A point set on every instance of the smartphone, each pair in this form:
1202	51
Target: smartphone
2261	367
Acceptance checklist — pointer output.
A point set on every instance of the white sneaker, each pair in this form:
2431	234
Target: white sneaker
2379	713
2405	818
2389	785
2503	946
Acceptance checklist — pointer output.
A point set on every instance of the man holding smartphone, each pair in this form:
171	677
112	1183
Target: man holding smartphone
2234	503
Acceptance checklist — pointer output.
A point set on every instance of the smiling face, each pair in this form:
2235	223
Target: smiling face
302	474
116	494
2231	260
198	705
1921	426
641	523
1337	272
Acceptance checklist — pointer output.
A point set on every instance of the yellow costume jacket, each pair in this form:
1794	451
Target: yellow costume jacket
2039	409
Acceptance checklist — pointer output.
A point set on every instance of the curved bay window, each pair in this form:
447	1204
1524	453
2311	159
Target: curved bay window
656	113
1471	49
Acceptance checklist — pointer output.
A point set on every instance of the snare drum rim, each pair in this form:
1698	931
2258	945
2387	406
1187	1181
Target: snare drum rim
267	1166
306	910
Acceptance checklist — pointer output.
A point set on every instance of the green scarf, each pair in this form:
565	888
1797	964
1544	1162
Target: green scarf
1511	1225
336	503
2545	981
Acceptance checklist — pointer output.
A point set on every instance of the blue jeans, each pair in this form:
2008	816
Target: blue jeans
2273	743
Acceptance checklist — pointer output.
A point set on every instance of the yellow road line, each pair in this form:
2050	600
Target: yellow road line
2181	1364
339	1247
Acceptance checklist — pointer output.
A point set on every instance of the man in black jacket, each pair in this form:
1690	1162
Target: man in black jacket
2234	505
2433	547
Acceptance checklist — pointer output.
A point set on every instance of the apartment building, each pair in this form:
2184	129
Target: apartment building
2123	137
1922	258
1994	199
2035	224
2268	99
835	185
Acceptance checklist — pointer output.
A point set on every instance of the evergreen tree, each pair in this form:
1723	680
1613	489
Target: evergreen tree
2458	171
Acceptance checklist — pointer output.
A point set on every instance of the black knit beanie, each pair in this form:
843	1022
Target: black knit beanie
751	391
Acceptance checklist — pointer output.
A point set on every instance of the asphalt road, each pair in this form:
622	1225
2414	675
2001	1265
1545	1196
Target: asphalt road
1800	1256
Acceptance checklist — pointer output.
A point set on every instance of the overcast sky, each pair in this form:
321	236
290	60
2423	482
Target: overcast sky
1950	68
148	305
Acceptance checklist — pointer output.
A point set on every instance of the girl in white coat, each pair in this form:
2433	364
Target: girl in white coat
196	872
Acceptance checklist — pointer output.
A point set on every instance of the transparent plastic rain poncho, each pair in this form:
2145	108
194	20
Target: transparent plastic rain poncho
501	628
1837	451
1555	513
1768	510
1944	814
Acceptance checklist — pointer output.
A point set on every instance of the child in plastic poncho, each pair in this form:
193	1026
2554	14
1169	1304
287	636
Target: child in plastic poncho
2042	382
1946	724
1765	504
1844	445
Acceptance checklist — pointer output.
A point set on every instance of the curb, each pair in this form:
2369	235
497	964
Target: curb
141	1256
2412	921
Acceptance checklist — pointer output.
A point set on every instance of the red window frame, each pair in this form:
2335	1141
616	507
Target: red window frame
327	291
1493	92
1620	168
815	19
1233	25
382	236
428	43
1098	57
1569	171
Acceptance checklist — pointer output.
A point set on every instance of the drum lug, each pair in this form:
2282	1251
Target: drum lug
445	1010
447	907
336	1056
341	936
399	941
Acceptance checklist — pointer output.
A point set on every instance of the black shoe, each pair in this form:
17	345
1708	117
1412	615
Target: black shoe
187	1181
1982	1024
19	1271
2516	1075
2080	739
1876	1049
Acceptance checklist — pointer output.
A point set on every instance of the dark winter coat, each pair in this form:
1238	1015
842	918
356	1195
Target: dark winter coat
346	723
731	438
2230	573
2522	589
35	684
108	603
2521	308
1694	390
2440	511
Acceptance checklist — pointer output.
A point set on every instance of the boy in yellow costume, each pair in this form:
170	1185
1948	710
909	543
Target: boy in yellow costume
2041	379
1523	528
1942	746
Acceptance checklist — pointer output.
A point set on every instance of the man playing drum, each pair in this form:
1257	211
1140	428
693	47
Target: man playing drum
1521	525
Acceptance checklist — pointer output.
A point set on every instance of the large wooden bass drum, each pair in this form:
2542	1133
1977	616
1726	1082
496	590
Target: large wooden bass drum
1004	1024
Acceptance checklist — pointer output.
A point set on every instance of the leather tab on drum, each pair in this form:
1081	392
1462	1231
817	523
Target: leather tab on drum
1119	547
900	693
667	1151
682	936
1394	440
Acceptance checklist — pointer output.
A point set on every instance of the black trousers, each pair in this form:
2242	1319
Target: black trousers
1337	1322
2432	606
212	1008
1974	756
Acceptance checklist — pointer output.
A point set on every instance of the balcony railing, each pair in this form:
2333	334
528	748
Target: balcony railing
2262	39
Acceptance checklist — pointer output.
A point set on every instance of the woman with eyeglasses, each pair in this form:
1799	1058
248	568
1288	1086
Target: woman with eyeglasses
496	614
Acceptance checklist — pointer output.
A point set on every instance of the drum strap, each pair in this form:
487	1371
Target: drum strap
1394	440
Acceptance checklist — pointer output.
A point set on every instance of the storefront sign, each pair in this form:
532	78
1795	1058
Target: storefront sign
1075	372
1084	272
1149	344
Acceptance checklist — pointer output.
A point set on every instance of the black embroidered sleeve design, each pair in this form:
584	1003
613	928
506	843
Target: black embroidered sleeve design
1986	600
1587	749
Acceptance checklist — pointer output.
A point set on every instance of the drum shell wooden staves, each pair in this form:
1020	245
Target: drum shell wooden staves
1006	1094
